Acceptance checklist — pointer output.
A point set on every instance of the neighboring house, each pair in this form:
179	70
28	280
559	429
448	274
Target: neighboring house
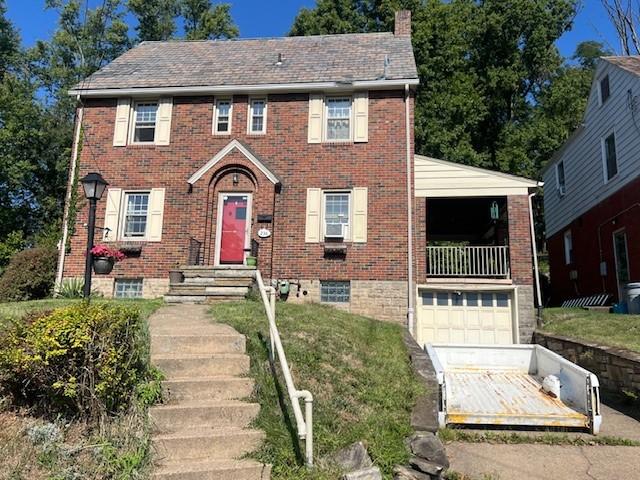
592	190
298	151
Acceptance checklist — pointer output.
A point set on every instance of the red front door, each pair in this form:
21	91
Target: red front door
234	228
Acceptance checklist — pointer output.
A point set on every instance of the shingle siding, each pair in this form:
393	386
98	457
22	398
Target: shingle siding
583	164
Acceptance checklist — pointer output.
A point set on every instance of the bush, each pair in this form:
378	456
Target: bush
83	359
29	275
71	288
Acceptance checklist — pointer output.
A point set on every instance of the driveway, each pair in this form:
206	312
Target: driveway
566	462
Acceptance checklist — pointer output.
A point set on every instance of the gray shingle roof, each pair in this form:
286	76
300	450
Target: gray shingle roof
322	58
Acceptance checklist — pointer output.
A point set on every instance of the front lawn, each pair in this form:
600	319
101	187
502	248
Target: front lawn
604	328
356	368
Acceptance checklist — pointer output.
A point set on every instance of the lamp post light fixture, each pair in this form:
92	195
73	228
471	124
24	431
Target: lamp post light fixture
94	186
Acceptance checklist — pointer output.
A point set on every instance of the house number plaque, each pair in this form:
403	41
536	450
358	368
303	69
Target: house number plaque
264	233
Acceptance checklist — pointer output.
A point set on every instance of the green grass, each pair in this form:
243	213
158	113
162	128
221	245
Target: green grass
604	328
19	309
549	438
356	368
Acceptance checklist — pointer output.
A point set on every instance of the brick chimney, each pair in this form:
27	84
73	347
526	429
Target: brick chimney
403	23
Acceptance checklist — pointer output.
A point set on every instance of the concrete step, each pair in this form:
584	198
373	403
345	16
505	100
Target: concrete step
217	281
195	366
214	470
198	342
206	389
195	289
219	273
203	444
171	298
202	415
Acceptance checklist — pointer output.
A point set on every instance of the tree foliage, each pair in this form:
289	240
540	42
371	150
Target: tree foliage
156	18
204	21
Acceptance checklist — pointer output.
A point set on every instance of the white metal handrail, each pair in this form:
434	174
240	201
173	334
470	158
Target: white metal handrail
468	261
304	423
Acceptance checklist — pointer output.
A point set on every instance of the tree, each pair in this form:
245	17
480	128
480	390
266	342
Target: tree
625	16
203	21
9	41
156	18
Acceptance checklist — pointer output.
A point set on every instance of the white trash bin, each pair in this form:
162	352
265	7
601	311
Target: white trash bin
633	297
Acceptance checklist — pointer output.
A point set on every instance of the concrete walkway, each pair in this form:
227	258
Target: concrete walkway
202	430
565	462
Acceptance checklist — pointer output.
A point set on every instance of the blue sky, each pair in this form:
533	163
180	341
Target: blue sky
267	18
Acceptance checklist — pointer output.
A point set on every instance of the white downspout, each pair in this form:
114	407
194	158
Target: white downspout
535	251
410	287
65	217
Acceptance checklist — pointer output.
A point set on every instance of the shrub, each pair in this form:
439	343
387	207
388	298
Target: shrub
71	288
85	359
29	275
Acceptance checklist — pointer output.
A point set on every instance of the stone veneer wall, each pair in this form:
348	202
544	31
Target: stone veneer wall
383	300
151	287
526	313
617	369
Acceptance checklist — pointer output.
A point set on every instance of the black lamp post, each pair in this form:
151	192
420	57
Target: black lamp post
94	186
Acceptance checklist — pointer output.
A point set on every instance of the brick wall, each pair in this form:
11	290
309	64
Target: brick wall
520	251
592	235
379	164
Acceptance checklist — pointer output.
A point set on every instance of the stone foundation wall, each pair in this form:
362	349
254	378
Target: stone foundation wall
617	369
526	313
151	287
382	300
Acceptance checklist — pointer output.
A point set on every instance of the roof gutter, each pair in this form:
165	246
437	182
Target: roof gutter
268	87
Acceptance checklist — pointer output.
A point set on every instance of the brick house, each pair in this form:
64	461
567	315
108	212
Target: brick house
304	161
592	190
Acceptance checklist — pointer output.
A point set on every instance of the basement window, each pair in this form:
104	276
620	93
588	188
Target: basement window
128	288
335	292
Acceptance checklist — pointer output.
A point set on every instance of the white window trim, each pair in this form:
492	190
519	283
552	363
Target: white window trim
323	226
123	216
562	189
132	121
325	120
603	151
215	115
567	238
250	116
600	102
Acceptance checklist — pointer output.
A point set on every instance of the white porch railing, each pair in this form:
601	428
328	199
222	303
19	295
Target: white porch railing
481	261
304	423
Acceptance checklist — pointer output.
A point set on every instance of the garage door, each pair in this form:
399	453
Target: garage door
465	317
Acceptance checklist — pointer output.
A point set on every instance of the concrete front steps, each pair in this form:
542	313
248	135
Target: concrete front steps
205	284
202	430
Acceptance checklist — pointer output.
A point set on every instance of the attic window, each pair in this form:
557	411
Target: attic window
604	89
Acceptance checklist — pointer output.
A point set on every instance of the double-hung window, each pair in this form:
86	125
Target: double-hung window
610	158
338	117
337	219
560	178
258	115
222	120
145	115
136	214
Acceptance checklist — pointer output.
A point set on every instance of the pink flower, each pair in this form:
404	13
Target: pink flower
105	251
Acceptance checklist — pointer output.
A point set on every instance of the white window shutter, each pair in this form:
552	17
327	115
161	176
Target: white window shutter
360	215
112	215
314	202
156	215
316	120
163	125
121	129
361	117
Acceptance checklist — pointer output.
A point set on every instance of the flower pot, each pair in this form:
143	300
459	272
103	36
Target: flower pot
103	265
252	261
175	276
